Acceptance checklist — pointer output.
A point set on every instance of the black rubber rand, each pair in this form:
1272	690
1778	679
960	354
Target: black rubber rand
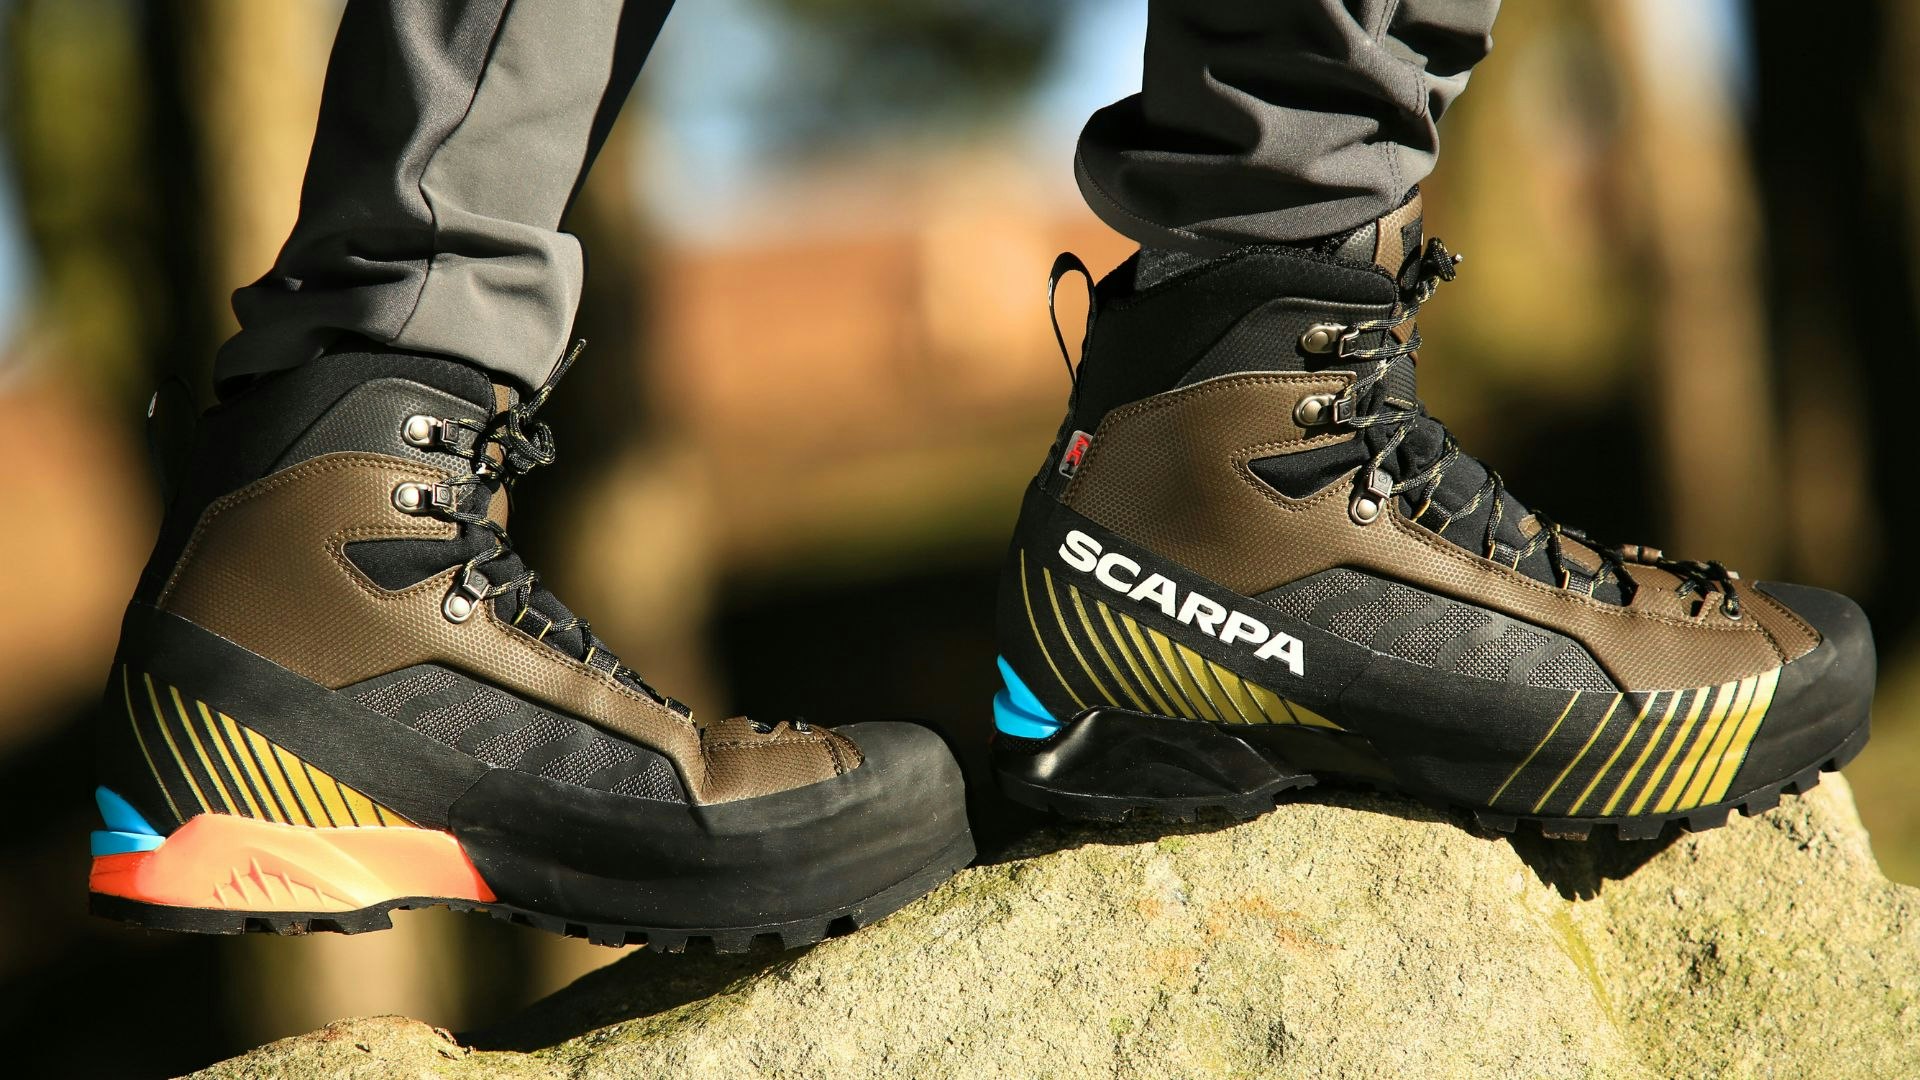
1110	764
797	865
1113	668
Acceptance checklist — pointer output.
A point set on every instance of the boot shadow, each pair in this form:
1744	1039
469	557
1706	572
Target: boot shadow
632	988
1018	832
1577	869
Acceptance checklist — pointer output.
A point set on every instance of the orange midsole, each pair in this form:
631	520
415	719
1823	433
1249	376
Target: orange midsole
235	863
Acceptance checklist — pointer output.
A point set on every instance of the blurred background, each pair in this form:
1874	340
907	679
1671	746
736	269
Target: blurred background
821	373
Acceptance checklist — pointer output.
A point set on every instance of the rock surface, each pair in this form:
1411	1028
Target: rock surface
1352	936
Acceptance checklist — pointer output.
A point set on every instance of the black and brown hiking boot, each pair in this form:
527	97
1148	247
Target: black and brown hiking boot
339	691
1252	561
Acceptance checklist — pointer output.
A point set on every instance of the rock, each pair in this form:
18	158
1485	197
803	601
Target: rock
1349	936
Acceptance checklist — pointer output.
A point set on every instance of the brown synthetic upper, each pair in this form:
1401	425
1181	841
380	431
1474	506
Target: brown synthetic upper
1170	473
267	569
1389	252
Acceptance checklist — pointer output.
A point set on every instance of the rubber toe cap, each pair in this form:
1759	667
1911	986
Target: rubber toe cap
917	784
1821	703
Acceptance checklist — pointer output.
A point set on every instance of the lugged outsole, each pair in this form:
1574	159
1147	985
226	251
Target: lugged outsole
790	935
1255	804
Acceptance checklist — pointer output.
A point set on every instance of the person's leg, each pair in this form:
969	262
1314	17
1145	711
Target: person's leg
1279	121
452	137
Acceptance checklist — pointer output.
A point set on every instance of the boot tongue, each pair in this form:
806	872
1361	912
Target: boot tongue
504	397
1388	243
578	640
1392	245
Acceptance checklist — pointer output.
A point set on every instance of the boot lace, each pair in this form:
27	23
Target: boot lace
522	444
1361	408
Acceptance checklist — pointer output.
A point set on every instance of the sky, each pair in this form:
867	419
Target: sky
14	286
703	161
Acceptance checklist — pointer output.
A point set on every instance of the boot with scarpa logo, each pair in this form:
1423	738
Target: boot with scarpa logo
1252	562
339	691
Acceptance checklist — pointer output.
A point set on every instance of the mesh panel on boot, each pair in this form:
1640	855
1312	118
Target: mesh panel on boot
1494	659
481	707
1422	644
654	782
1433	630
579	766
1570	669
506	750
1360	624
1301	602
506	732
388	700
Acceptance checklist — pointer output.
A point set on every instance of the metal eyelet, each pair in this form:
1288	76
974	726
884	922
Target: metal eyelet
420	499
1321	338
412	498
421	431
1344	407
1371	500
464	598
1314	410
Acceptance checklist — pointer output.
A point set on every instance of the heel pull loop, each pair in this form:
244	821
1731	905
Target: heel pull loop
1063	264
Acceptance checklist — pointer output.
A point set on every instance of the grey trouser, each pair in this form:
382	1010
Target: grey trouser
1278	120
453	134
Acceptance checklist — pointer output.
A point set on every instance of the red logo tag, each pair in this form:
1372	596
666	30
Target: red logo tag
1076	452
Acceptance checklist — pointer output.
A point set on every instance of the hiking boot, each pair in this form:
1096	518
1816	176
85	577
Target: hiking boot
1252	562
339	691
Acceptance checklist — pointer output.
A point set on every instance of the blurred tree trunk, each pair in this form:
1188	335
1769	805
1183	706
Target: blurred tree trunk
1684	165
1837	151
254	97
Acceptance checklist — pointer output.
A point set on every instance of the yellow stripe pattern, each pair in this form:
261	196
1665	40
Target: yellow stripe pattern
1618	748
1693	749
1584	747
1127	665
1646	751
1026	595
1735	752
229	768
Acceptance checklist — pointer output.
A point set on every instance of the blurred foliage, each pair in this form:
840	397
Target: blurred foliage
104	164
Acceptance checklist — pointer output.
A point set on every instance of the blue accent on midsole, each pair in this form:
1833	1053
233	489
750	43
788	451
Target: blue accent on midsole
126	830
120	815
119	843
1016	711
